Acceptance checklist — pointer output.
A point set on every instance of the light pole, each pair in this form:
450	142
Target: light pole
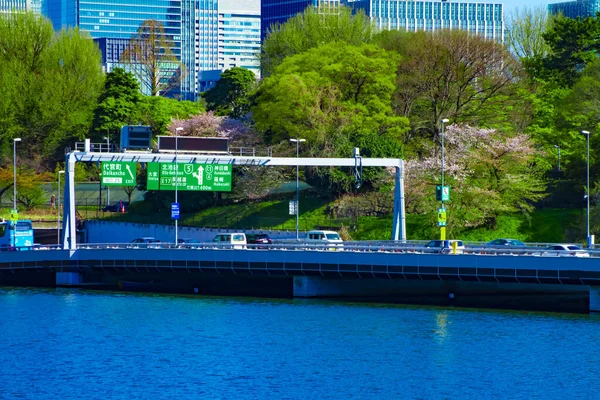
15	140
297	141
587	187
108	188
177	130
443	228
558	148
58	210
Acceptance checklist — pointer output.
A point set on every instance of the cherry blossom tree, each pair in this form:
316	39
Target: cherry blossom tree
489	173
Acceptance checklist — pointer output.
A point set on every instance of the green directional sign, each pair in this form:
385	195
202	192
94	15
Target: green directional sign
193	177
118	173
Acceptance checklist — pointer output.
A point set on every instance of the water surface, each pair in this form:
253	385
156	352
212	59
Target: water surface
73	344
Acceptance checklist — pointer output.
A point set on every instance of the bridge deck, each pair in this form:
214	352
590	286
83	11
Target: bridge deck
340	264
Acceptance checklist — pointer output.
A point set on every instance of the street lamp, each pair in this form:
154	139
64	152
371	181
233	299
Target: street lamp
443	228
107	138
15	140
297	141
58	211
558	148
177	130
587	187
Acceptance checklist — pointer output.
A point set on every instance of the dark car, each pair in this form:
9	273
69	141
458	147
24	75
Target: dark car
445	247
119	206
261	238
188	243
509	244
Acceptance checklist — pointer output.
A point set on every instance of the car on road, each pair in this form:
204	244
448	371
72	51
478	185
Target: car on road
444	247
147	242
119	206
235	240
188	243
512	245
259	238
564	250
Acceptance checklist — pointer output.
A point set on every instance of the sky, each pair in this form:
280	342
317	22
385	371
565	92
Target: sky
510	5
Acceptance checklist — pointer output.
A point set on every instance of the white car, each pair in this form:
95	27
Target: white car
564	250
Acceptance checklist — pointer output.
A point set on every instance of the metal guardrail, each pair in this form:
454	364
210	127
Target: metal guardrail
410	247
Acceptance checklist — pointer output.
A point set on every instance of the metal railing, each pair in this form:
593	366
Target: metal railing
411	247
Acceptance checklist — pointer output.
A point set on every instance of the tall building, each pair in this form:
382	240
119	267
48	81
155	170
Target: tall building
208	36
237	43
277	11
21	5
575	9
486	19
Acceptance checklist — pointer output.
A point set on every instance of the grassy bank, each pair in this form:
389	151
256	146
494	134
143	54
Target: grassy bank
545	225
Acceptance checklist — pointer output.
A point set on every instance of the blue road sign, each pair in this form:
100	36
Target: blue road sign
175	210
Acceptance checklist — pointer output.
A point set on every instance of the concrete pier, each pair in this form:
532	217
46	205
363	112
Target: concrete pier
68	279
595	298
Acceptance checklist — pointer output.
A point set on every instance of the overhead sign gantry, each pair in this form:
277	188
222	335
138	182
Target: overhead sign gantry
69	223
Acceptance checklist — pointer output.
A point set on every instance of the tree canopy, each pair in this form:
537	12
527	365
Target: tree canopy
230	96
50	83
314	28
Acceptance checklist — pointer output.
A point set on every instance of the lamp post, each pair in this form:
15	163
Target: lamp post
15	140
177	130
297	141
58	210
108	188
443	228
587	187
558	148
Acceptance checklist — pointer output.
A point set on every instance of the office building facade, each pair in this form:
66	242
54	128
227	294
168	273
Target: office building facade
575	9
200	32
485	19
21	5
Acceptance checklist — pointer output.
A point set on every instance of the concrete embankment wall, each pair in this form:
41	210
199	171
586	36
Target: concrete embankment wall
125	232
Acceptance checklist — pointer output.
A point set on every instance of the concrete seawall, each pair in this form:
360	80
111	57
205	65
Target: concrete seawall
518	282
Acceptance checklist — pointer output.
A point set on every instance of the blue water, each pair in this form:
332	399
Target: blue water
69	344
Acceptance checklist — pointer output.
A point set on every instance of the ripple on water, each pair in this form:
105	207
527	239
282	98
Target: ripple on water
73	344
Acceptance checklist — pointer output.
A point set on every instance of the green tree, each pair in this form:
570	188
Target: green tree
159	111
525	36
118	104
490	173
230	96
452	74
573	43
337	97
314	28
50	85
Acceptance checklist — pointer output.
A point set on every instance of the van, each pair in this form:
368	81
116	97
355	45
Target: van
322	237
236	239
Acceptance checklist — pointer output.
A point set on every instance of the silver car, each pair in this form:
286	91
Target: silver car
564	250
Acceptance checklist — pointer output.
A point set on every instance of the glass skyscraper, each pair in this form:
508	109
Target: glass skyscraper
486	19
21	5
575	9
208	36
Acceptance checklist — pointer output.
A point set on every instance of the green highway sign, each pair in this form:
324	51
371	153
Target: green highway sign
193	177
118	173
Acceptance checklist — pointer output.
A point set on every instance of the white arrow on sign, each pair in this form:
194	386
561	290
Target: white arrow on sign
199	176
129	170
